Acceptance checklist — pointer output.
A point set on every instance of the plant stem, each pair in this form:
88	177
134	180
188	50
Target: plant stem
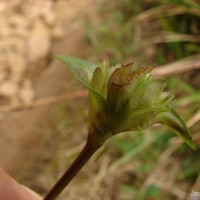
86	153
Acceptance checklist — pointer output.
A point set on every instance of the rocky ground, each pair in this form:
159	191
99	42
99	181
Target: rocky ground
31	32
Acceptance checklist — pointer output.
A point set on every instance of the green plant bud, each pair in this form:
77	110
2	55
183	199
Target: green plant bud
124	99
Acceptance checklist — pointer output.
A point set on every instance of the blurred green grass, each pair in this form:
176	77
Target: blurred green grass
161	30
153	32
158	164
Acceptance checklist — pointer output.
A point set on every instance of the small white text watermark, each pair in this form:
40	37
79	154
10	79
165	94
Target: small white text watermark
194	195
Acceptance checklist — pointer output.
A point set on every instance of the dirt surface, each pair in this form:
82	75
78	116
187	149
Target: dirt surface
31	33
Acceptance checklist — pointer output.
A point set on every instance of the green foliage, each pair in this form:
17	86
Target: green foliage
123	99
128	32
81	69
169	28
153	191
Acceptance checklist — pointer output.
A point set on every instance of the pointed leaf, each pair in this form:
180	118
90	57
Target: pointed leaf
173	120
97	80
81	69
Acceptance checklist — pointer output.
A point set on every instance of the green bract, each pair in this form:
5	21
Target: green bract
123	99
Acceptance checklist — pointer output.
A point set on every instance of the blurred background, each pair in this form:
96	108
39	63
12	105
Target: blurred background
43	110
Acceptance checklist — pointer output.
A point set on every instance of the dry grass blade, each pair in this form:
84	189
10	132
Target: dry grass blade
44	101
100	176
164	11
74	150
172	37
178	67
163	159
135	151
194	119
180	194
